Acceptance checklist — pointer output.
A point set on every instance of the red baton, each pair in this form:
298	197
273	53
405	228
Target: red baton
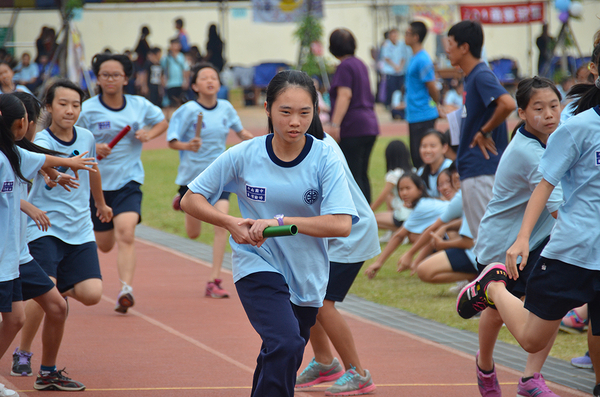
116	139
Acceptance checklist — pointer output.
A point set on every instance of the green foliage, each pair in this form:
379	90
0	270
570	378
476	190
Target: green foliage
310	29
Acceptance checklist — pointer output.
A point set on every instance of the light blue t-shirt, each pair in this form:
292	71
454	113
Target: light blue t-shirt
216	123
419	105
516	178
26	73
30	164
10	213
432	189
69	212
568	111
124	164
174	68
395	53
454	209
22	88
313	184
363	242
572	158
425	213
466	231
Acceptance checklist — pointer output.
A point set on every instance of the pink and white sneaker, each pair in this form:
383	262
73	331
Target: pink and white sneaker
488	383
535	387
214	289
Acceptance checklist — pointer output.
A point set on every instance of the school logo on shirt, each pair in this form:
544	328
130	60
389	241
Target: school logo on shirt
256	193
104	125
135	127
224	122
195	125
7	187
597	158
310	196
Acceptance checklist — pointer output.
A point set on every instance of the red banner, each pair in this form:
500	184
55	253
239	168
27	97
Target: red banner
504	14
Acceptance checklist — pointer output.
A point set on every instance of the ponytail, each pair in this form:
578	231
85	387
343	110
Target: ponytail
11	109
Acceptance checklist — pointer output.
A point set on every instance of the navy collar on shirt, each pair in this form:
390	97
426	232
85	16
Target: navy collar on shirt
597	109
529	135
205	108
297	160
60	140
109	108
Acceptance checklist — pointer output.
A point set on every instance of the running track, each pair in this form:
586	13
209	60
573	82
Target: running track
178	343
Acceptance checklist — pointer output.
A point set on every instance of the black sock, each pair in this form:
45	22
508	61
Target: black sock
526	379
487	372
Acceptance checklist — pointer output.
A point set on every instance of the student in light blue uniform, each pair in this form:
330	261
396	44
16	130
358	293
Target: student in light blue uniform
197	153
105	115
432	149
7	84
13	126
567	270
425	211
538	101
66	251
346	257
577	90
286	177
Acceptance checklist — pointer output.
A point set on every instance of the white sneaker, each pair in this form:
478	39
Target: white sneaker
455	289
4	392
125	299
385	237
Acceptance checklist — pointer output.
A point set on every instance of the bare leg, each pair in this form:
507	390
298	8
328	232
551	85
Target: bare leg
594	351
193	226
34	315
105	240
220	242
385	220
125	236
320	344
340	335
436	269
55	309
535	361
88	292
490	324
10	325
532	332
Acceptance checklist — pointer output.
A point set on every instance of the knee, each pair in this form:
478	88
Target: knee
193	235
126	237
424	274
105	246
292	346
533	345
90	297
57	311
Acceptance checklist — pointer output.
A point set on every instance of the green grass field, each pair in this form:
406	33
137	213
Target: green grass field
388	288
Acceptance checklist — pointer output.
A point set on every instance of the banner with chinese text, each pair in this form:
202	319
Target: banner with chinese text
503	14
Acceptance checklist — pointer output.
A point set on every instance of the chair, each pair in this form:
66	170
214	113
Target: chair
506	70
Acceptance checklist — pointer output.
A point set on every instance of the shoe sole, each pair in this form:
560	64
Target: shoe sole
321	379
583	366
365	390
125	302
473	283
571	330
216	296
12	373
57	388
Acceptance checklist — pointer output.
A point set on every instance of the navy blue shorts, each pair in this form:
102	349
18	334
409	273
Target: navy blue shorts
459	261
341	277
10	291
68	264
183	190
126	199
519	286
556	287
397	223
34	280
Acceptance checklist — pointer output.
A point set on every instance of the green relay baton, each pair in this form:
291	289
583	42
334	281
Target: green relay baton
277	231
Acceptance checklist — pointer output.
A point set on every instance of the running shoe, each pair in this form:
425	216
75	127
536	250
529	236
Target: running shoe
572	323
21	365
56	380
214	289
596	391
535	387
176	202
316	373
4	392
456	288
125	299
385	237
473	299
488	383
583	362
352	384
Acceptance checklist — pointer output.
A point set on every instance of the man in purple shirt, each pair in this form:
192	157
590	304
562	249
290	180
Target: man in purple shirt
353	120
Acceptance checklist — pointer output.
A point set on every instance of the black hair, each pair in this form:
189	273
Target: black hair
145	31
11	109
419	183
588	95
341	43
124	60
419	29
62	83
397	156
286	79
33	108
427	168
469	32
445	171
452	168
197	68
179	22
525	91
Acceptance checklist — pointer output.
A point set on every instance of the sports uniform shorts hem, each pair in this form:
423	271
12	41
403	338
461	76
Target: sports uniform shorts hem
34	280
459	261
68	264
555	287
10	291
397	223
341	277
126	199
183	190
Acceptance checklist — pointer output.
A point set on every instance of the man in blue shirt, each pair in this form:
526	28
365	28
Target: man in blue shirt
483	136
422	95
395	56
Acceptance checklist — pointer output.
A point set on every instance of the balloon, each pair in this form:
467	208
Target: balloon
576	9
564	16
562	5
